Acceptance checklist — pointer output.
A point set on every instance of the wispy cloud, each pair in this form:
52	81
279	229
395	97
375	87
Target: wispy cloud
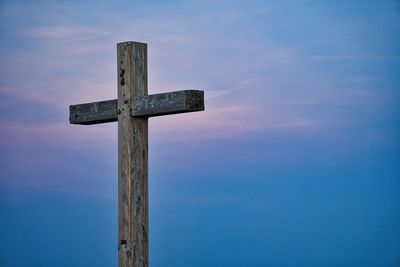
73	33
37	97
226	121
260	68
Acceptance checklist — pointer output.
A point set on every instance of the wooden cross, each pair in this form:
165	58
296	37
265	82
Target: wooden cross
132	110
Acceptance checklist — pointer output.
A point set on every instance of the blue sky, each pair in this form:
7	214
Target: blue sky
295	161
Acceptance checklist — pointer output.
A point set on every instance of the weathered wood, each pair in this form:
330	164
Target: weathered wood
142	106
93	113
132	157
131	110
168	103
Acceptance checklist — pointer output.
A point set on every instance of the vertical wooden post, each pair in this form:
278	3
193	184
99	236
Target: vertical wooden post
132	157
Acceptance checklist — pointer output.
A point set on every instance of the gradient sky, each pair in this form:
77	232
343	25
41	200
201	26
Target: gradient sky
295	161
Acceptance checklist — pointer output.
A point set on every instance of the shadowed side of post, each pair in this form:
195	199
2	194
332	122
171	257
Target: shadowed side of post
132	157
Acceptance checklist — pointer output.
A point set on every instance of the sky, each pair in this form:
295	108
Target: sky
294	162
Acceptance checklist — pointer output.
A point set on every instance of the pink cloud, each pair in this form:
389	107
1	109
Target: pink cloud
224	121
39	97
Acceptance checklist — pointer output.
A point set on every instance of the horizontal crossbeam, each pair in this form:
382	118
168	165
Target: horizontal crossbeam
168	103
93	113
144	106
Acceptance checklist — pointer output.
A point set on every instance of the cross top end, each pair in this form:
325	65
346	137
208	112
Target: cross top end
140	104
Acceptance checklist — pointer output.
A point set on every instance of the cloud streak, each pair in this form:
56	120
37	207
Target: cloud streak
258	74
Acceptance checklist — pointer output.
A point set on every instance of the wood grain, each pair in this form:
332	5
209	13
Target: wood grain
132	157
168	103
142	106
93	113
132	110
